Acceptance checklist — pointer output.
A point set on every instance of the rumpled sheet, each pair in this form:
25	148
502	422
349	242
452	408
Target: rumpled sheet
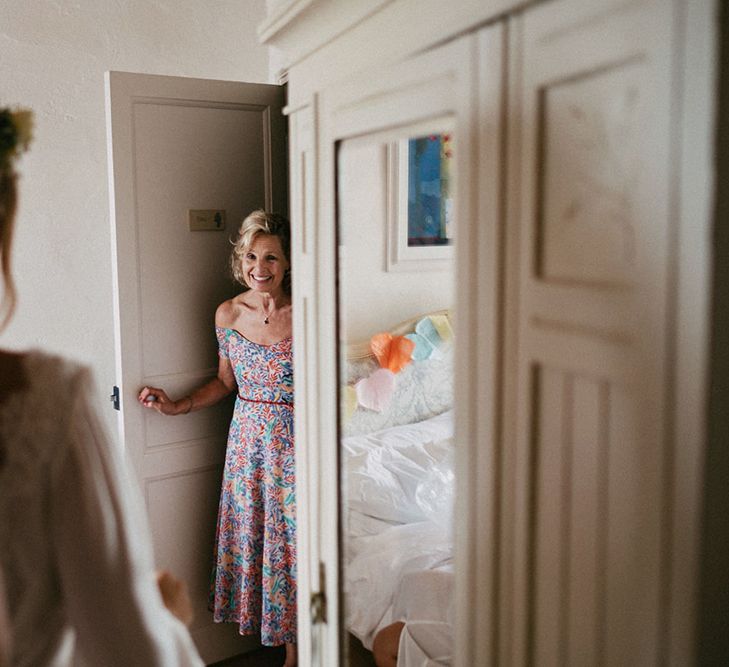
399	554
424	601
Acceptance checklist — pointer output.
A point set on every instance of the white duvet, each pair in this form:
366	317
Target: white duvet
399	551
403	474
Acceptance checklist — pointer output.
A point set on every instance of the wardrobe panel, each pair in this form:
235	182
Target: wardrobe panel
590	163
592	340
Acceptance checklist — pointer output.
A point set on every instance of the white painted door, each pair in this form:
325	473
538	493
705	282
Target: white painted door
178	145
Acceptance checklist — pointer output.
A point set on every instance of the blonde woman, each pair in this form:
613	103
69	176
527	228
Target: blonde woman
254	575
75	556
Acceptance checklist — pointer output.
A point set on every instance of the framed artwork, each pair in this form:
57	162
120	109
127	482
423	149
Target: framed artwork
420	234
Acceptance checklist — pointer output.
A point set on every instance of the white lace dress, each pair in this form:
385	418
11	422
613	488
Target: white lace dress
74	547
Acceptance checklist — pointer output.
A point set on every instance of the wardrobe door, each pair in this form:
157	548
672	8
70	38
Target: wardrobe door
590	307
366	131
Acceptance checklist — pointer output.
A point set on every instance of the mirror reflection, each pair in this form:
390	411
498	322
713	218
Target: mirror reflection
396	400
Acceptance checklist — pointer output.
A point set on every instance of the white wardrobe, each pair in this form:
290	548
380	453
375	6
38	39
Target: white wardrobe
584	184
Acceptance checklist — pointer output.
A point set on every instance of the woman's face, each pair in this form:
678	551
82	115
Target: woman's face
264	264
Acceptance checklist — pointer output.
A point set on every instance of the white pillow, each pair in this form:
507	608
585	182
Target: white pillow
423	389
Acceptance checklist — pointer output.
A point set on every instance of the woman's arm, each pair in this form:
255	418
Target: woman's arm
208	394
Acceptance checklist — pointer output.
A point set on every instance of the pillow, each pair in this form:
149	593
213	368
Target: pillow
423	389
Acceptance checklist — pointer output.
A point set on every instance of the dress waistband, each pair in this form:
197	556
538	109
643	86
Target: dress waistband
260	400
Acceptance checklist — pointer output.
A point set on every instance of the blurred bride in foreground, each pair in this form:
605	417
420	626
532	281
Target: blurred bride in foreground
75	558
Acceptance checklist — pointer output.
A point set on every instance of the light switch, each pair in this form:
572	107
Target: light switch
206	220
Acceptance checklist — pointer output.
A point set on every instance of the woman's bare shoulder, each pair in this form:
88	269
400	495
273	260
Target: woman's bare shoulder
227	312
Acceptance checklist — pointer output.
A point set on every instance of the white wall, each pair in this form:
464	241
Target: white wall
374	299
53	55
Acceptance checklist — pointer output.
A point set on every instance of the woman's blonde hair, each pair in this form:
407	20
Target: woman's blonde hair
260	222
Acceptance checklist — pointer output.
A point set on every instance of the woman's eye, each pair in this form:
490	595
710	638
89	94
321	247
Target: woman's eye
250	256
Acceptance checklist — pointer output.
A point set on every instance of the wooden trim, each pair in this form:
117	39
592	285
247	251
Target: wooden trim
278	21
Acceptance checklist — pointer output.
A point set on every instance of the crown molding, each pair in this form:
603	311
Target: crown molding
299	28
281	18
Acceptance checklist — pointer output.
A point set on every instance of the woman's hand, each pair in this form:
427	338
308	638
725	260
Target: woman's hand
175	596
157	399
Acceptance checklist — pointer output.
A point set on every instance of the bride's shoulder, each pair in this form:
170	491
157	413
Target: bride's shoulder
47	390
49	371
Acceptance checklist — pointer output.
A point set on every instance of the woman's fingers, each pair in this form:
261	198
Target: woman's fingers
152	397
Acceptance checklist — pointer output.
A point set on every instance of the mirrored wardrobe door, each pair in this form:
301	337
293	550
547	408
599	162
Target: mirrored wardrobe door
396	227
393	269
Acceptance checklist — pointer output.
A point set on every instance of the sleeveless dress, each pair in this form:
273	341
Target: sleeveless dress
254	575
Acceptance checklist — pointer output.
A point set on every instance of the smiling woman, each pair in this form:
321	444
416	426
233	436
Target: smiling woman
254	571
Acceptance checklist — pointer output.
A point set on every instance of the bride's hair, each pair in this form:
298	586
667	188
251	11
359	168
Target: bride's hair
16	127
8	205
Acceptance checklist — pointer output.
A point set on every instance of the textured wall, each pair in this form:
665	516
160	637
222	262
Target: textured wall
53	55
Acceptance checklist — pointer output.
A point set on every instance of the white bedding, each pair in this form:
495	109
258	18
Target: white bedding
425	600
402	474
399	490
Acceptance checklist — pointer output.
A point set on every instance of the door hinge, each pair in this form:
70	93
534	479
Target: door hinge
319	599
114	398
318	608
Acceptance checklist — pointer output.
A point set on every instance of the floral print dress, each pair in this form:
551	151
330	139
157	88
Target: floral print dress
254	575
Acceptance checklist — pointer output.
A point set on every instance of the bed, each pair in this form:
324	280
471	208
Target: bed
399	488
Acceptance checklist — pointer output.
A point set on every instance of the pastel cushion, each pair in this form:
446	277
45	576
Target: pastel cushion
392	352
349	397
423	347
443	326
375	392
423	389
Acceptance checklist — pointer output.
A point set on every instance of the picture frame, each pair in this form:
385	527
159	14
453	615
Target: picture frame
420	207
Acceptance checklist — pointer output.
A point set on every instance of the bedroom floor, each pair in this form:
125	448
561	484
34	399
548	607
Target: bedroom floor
274	657
263	657
359	656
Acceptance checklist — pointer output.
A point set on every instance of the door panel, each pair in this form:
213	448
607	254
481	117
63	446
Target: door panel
177	145
593	308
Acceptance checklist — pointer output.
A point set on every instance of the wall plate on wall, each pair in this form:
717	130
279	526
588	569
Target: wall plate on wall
210	220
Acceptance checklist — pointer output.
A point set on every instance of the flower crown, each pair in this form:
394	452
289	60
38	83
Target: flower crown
16	133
